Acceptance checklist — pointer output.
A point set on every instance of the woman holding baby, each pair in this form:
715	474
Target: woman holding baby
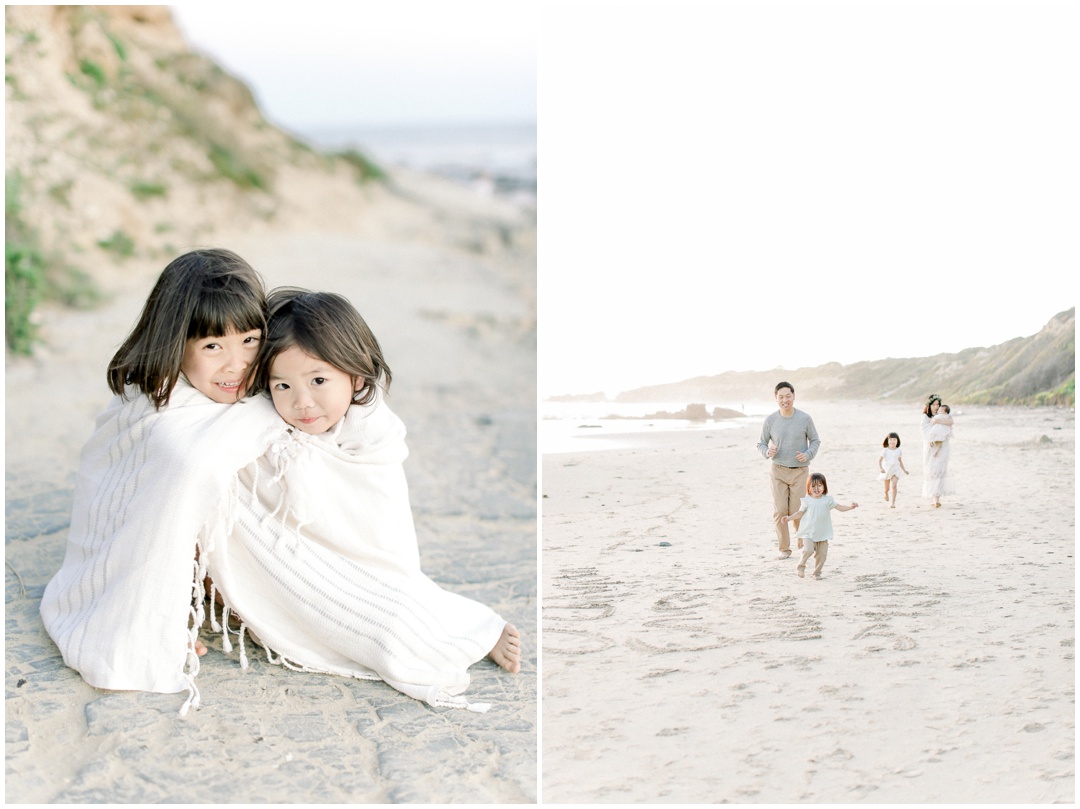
937	430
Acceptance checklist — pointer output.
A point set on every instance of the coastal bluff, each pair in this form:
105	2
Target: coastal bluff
1036	370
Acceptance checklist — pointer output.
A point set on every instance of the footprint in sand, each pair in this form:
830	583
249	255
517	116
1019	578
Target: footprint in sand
584	595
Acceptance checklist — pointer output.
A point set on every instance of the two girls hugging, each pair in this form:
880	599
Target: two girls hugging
294	506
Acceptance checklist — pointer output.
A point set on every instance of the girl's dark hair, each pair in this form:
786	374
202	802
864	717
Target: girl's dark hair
204	293
327	327
885	443
820	478
933	398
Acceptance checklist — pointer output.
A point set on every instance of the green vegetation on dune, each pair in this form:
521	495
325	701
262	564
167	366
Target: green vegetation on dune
143	189
30	276
366	170
122	142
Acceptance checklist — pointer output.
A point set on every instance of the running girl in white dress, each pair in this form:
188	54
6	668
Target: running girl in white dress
891	464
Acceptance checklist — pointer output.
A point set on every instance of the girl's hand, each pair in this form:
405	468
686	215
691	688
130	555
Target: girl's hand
854	504
784	518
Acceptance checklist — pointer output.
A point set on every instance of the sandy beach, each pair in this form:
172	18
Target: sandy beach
933	662
456	319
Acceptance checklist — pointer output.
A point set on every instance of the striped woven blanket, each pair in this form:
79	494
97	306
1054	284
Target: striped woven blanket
322	565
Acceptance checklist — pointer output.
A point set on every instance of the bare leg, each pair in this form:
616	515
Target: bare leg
507	651
893	503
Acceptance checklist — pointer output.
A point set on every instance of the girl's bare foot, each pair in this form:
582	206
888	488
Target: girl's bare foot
200	649
507	651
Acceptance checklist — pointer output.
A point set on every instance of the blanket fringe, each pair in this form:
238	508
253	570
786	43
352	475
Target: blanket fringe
243	652
226	644
283	455
214	625
196	616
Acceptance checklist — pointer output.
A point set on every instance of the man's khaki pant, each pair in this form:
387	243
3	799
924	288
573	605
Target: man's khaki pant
788	488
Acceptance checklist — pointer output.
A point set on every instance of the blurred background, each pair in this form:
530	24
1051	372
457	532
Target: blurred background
133	132
444	88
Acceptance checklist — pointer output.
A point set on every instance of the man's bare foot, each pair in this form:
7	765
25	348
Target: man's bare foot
507	651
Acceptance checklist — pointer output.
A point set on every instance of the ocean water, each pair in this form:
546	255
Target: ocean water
501	157
585	426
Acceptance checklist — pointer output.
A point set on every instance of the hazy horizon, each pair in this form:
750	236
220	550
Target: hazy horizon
610	394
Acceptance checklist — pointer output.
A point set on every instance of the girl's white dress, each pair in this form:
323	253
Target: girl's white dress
890	462
936	481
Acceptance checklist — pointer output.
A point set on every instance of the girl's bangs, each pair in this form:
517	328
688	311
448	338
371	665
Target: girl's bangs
217	315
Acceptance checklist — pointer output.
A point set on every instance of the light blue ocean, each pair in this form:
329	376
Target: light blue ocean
503	155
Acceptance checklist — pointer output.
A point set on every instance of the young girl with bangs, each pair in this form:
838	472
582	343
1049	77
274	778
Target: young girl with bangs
126	605
816	527
890	465
322	562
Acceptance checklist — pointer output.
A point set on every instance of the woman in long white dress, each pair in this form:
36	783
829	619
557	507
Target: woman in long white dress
936	480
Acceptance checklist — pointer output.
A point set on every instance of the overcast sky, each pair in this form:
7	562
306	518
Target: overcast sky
747	185
368	63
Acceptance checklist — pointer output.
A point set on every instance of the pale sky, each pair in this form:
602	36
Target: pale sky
375	63
729	185
747	185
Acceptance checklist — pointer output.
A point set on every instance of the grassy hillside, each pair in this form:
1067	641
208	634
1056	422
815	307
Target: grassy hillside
1035	370
122	143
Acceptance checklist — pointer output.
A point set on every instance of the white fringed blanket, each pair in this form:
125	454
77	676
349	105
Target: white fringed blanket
322	566
125	607
311	542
